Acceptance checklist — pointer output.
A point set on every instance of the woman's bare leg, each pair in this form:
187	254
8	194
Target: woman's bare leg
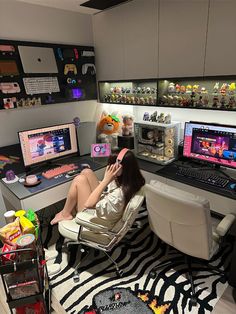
92	178
78	194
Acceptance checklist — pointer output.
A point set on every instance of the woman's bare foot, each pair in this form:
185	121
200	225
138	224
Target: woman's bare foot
59	217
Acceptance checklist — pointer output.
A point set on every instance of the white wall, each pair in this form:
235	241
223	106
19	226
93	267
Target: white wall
22	21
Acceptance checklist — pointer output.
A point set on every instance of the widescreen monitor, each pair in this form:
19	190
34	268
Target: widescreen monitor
210	142
47	143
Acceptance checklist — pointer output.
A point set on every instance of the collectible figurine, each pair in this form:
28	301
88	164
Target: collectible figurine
231	103
161	118
127	127
223	89
170	99
167	119
189	89
215	102
150	100
195	88
205	101
153	117
132	99
171	88
232	88
200	102
223	102
216	87
204	90
146	116
182	89
141	101
177	88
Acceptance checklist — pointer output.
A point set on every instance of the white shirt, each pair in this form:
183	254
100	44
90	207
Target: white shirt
111	205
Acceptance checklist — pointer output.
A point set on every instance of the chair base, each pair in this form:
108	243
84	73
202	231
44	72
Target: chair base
85	251
188	259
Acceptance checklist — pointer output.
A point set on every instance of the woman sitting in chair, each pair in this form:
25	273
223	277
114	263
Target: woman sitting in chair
109	197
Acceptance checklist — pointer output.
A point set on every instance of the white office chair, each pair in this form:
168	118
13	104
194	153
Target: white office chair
182	220
82	230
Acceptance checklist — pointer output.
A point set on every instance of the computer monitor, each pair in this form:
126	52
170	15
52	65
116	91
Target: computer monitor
47	143
210	142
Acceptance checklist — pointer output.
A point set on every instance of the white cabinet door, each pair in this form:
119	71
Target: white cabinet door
141	39
182	37
221	39
109	30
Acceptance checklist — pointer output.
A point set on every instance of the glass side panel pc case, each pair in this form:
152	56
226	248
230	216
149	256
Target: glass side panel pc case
209	142
156	142
44	144
129	92
204	93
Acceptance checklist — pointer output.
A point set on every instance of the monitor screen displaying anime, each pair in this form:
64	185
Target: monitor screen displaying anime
215	143
40	145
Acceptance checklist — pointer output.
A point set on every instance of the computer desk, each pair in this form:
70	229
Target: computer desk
16	196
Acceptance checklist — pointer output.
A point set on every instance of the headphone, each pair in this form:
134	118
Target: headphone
121	155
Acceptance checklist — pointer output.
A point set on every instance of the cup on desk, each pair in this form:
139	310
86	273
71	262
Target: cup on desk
31	179
9	216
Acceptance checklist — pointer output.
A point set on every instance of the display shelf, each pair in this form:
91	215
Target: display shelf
215	93
136	92
209	93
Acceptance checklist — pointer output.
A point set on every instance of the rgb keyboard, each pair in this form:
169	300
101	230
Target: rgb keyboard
203	176
51	173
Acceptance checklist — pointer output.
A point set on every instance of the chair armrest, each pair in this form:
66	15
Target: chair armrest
223	227
84	221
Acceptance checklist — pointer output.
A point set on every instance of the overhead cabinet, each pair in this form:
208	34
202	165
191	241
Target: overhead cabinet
221	39
126	41
182	37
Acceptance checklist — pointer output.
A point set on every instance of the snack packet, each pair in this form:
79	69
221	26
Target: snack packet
26	224
11	232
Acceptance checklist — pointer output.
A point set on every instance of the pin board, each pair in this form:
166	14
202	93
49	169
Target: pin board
34	74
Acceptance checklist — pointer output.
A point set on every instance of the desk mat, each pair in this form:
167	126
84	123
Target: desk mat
48	183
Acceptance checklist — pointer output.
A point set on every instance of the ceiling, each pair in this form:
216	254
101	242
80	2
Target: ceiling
75	5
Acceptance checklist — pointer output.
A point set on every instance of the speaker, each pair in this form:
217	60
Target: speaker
86	134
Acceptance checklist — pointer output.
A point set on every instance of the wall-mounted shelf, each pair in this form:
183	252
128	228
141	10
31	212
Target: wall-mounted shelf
136	92
210	93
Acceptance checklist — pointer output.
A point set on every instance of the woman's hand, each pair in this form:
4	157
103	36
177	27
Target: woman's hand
111	172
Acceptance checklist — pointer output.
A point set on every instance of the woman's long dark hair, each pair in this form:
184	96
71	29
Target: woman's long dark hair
131	179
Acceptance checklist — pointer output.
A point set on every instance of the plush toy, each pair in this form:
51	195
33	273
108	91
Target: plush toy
127	127
108	128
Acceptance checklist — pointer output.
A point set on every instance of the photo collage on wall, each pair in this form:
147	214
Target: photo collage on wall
34	74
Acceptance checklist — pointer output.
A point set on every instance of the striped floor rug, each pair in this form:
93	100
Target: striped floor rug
101	291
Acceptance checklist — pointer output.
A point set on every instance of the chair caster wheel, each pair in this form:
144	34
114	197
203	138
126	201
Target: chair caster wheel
120	273
152	274
76	277
193	301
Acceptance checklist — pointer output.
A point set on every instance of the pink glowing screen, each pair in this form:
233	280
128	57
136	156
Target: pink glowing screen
210	142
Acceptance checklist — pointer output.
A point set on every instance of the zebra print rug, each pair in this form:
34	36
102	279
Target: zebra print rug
169	292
